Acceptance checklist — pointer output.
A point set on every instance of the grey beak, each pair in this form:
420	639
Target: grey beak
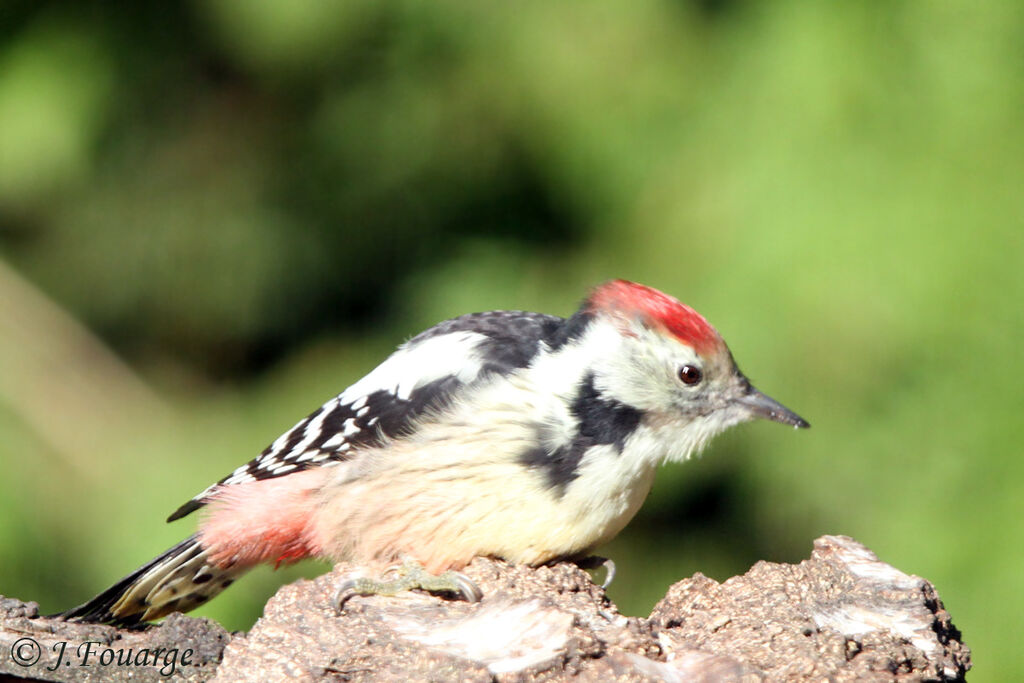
767	407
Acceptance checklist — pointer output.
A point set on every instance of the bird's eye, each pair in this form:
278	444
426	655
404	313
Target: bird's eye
690	374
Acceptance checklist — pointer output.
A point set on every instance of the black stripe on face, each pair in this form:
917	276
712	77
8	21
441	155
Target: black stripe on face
600	421
603	420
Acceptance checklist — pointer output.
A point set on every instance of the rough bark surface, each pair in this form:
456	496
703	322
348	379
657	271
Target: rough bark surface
841	615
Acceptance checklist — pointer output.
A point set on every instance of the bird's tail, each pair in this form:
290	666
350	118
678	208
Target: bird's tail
178	580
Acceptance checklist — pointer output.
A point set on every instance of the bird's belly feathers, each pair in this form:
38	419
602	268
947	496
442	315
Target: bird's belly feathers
461	489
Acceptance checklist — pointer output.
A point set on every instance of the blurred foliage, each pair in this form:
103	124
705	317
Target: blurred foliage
251	202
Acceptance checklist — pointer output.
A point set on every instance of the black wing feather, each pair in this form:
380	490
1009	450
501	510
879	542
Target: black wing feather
332	433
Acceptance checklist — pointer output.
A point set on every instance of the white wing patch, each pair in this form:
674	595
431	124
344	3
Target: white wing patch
415	365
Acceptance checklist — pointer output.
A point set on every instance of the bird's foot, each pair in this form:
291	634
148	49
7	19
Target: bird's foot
408	576
594	562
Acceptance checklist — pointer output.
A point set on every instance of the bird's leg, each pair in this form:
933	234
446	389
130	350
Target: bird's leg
409	576
595	562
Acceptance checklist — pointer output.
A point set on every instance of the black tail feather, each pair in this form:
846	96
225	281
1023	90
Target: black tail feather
100	609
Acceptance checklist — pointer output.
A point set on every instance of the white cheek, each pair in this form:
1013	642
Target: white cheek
645	374
677	437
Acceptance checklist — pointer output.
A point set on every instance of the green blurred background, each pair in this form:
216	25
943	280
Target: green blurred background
214	215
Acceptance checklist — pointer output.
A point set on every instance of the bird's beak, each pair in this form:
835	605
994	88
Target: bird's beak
767	407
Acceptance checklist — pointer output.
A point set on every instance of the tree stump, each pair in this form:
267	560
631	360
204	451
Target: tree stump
841	615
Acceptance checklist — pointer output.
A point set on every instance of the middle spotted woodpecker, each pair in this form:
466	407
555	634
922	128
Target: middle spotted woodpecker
508	434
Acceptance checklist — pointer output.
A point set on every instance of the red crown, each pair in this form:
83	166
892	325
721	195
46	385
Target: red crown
658	309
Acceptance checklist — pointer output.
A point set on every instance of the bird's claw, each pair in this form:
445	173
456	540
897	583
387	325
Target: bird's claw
410	576
609	575
469	590
342	595
595	562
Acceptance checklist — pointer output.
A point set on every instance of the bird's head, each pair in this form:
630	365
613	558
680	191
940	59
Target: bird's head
672	365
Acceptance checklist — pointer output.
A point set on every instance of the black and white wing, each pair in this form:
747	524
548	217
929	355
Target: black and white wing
421	375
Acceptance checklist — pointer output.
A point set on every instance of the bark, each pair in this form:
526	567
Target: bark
841	615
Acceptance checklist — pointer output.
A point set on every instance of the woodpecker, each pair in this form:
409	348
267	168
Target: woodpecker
509	434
